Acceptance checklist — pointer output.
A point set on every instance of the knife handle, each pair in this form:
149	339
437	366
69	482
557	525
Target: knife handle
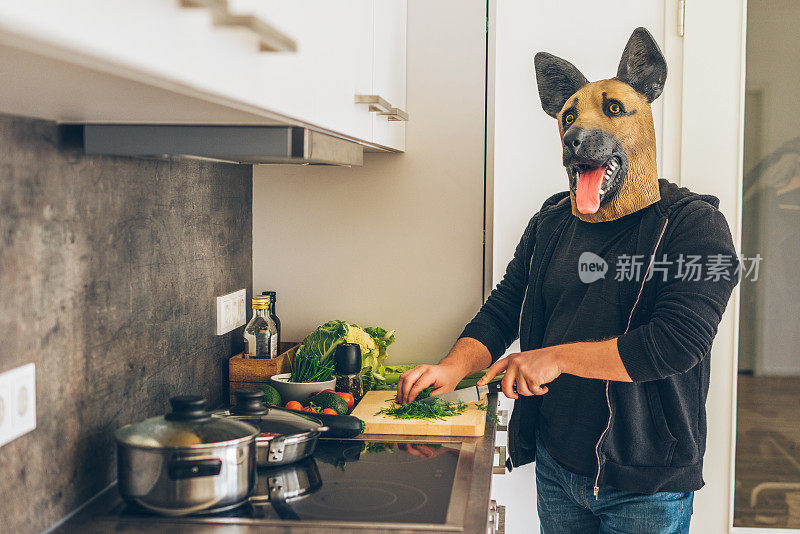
495	386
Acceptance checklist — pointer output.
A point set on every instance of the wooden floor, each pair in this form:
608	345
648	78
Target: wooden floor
768	452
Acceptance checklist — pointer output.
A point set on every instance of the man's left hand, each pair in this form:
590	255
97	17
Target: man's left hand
526	372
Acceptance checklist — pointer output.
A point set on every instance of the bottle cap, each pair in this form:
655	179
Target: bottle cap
348	359
261	302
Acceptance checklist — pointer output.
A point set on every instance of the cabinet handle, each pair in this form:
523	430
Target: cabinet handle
270	39
375	102
500	468
502	416
500	527
396	114
497	518
381	106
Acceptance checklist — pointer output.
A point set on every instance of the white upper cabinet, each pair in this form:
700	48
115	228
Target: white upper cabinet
389	71
207	62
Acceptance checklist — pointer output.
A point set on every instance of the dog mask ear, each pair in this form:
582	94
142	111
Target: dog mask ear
557	79
643	66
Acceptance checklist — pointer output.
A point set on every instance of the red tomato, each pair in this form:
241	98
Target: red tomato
330	411
348	398
294	405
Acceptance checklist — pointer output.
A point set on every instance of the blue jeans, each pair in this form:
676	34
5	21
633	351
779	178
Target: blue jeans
566	504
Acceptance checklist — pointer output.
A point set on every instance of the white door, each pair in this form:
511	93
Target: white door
741	78
711	163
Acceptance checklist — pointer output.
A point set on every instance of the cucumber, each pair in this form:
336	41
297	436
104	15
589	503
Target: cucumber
339	426
329	399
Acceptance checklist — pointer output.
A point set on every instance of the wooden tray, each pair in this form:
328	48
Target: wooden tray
245	373
470	423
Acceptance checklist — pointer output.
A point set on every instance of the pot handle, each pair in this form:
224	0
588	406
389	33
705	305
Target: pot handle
192	468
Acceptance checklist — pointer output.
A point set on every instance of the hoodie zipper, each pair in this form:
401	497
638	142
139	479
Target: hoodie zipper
524	297
608	382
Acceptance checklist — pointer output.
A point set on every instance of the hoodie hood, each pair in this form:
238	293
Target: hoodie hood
675	197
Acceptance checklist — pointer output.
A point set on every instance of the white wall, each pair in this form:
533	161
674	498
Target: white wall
527	154
399	241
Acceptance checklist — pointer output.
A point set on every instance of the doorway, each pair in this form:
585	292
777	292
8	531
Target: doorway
767	465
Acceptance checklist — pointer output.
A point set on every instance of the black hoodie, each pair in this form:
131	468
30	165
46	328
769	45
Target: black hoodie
656	433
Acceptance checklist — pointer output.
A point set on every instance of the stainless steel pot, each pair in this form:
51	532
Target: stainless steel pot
278	487
287	482
186	461
284	436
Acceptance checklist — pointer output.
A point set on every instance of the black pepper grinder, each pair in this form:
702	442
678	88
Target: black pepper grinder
348	369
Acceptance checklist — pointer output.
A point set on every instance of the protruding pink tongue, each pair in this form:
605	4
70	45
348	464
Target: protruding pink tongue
587	194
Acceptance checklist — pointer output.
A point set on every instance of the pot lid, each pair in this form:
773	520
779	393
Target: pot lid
187	425
279	422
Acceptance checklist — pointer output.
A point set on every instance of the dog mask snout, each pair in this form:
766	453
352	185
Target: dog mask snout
587	145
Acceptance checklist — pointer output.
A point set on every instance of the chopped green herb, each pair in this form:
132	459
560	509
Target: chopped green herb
489	416
424	410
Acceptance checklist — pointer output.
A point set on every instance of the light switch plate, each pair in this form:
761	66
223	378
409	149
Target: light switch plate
17	402
231	311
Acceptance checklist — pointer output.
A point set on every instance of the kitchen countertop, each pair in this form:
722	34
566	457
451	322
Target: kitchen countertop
95	518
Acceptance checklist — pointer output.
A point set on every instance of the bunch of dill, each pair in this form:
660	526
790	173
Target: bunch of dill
424	410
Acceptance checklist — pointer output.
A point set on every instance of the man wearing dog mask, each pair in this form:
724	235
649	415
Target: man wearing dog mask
611	383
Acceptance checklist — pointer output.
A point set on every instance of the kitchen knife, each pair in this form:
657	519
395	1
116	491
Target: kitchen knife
470	394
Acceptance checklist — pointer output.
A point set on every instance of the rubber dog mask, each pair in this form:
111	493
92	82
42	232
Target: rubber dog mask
606	129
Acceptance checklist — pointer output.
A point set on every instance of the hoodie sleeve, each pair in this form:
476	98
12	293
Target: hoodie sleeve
496	325
687	311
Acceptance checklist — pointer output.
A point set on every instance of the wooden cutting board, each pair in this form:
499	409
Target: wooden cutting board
470	423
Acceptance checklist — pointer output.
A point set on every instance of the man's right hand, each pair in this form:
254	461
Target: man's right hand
467	356
442	377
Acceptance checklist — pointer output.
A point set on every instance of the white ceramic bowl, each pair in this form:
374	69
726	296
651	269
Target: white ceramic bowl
298	391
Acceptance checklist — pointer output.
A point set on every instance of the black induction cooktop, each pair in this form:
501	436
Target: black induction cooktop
354	481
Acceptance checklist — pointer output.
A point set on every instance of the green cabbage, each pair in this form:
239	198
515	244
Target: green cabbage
313	361
314	357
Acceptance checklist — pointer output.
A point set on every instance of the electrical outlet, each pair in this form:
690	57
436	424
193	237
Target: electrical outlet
231	311
17	402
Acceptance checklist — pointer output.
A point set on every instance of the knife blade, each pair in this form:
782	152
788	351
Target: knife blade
470	394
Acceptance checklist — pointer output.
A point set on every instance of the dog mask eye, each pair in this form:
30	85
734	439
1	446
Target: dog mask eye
613	108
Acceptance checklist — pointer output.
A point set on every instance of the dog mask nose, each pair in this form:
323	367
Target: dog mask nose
583	144
573	140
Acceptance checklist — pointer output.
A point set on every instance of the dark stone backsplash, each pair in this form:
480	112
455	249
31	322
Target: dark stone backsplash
108	272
